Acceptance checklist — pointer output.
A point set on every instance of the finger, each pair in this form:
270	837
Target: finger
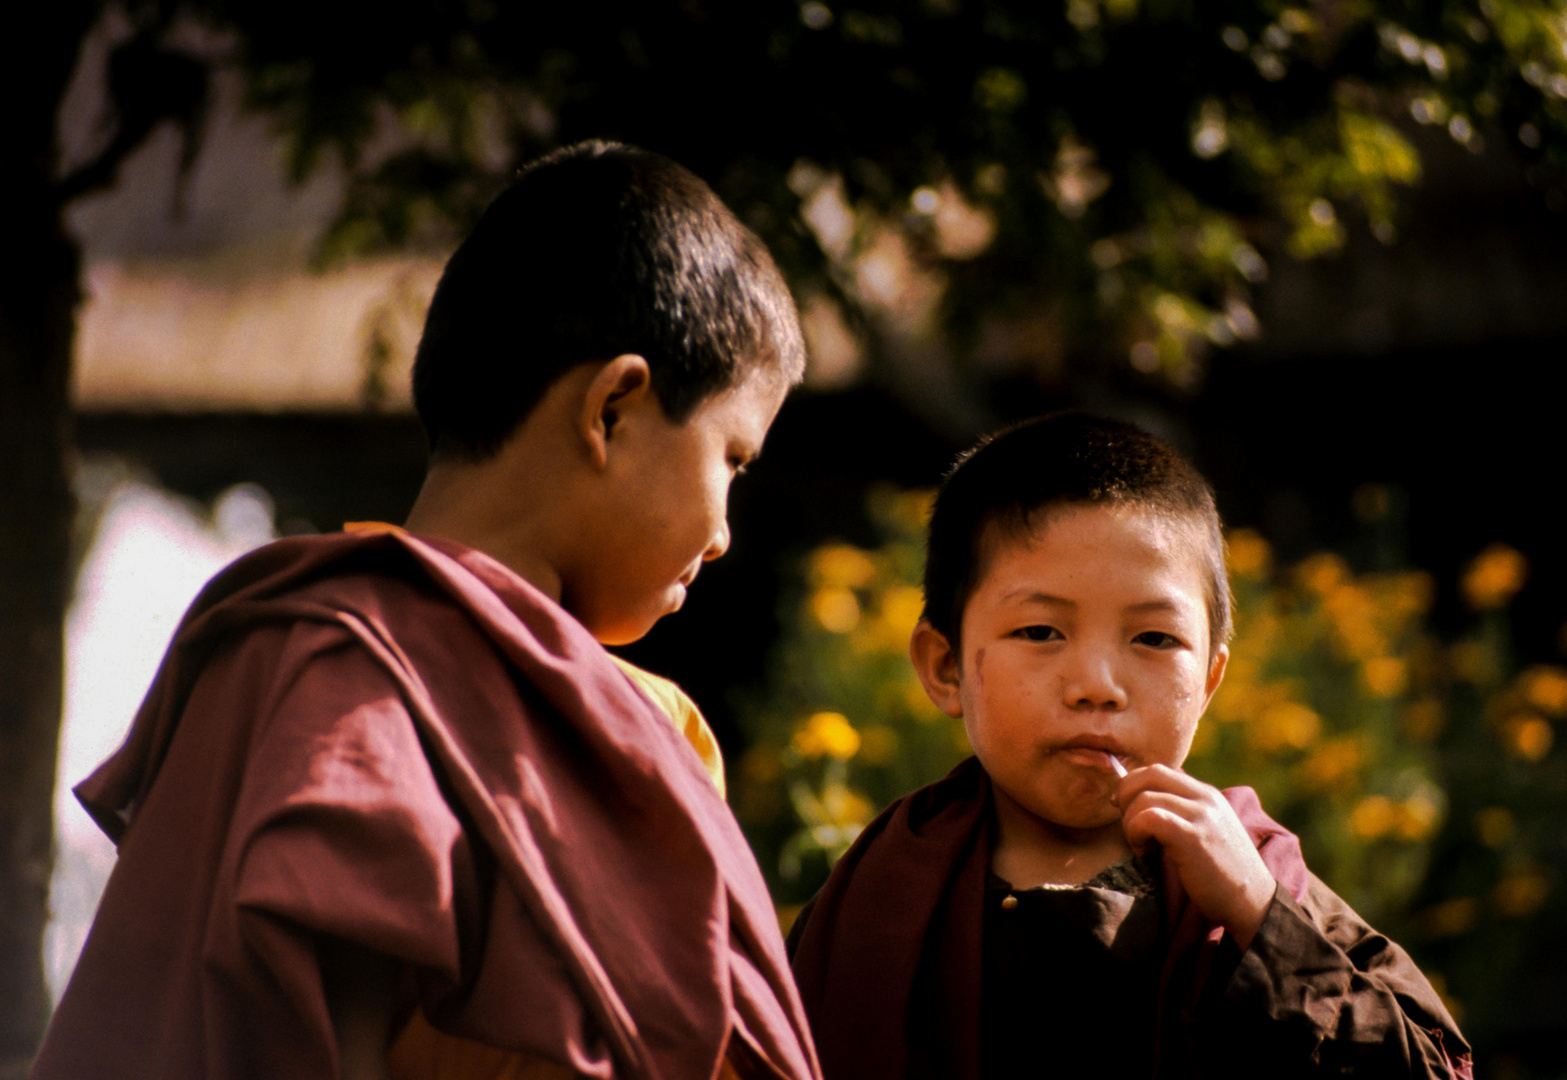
1156	825
1160	778
1191	810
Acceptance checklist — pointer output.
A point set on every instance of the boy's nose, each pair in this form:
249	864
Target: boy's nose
1092	684
720	542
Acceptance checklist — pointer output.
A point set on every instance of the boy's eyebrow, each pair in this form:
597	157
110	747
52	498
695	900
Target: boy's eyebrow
1034	596
1154	605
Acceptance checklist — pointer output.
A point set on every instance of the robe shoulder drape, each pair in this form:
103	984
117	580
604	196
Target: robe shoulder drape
398	742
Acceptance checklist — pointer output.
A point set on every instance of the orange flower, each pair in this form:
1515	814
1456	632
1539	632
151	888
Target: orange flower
1249	554
1521	892
842	566
1494	577
827	734
1545	688
1527	736
835	609
1451	918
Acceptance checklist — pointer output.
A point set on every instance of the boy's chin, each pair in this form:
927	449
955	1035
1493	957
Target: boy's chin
626	626
1091	814
1086	821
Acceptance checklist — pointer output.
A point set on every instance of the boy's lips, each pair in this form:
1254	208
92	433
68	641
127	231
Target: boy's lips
1096	751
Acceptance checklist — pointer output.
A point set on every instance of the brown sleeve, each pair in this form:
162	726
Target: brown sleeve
1321	989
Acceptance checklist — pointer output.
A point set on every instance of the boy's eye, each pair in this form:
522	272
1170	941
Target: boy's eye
1157	639
1038	633
738	465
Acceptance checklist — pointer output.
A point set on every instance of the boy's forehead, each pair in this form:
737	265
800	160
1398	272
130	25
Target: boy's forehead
747	409
1065	536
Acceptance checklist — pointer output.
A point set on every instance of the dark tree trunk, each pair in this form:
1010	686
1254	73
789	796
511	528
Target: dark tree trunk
37	326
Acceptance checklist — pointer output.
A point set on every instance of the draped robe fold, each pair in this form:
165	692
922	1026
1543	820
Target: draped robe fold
397	741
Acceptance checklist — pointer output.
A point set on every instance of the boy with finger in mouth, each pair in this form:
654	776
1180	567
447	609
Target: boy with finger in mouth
1069	901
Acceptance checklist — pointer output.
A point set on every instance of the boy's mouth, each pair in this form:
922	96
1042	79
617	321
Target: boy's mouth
1095	751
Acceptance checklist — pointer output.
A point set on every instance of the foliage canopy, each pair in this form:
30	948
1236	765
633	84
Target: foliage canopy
1094	180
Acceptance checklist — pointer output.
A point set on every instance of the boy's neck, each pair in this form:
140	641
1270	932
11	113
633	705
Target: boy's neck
1028	851
448	507
521	504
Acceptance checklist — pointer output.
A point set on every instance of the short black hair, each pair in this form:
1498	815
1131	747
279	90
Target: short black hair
597	250
1065	459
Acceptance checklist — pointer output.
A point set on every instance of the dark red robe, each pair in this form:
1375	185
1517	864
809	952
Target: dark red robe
400	743
888	961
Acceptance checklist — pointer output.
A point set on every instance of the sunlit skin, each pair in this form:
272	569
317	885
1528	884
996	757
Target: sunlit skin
599	499
1085	639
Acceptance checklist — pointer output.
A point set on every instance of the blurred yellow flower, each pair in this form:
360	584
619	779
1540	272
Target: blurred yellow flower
842	805
1334	763
1385	676
841	566
1423	719
1412	593
1521	892
1286	724
835	609
1495	826
1451	918
1372	817
1545	688
1354	616
1527	736
878	744
1417	817
1297	21
1494	577
829	734
1250	556
898	610
1322	572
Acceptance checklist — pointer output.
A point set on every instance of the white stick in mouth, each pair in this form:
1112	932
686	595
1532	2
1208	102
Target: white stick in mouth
1115	763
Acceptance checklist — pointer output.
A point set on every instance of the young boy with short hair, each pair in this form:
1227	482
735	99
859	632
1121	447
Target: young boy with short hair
1068	902
390	808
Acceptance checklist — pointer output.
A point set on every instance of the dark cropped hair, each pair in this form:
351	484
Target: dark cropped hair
1009	480
596	250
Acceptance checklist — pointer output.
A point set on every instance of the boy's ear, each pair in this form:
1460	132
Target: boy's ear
1221	659
937	666
622	383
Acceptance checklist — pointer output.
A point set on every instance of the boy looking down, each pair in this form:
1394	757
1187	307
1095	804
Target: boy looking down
1068	902
390	808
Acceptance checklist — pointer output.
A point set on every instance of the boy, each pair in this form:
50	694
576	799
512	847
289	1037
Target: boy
1069	902
389	789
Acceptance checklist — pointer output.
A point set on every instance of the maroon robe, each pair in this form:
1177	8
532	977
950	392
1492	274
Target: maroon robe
399	742
888	958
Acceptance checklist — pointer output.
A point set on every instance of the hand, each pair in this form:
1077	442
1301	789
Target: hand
1203	840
